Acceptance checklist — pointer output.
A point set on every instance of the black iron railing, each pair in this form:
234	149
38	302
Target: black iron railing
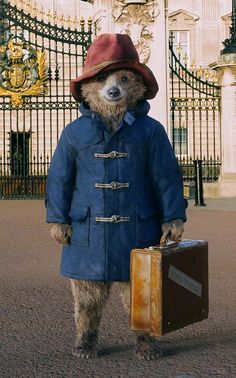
195	106
30	129
210	169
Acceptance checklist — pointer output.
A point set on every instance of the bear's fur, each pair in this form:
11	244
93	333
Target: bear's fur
110	94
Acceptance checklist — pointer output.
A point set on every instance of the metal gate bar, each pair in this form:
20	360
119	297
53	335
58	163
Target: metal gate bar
195	120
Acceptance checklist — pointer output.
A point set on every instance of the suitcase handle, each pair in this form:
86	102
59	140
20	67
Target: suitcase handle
168	244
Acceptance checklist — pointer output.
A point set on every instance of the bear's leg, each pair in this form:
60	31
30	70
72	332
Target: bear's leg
147	347
89	298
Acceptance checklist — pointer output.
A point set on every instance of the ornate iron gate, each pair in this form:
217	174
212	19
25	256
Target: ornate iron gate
39	54
195	119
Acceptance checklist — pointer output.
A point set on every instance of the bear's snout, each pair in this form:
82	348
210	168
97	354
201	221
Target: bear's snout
113	92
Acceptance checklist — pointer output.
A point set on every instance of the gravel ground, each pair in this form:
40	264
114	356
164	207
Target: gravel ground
36	313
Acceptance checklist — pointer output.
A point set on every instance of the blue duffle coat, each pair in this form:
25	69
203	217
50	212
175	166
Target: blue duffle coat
115	190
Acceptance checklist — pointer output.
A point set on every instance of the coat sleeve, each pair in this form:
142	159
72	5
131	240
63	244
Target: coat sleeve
167	177
60	182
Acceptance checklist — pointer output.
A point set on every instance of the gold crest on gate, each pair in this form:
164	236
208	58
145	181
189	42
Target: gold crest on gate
23	70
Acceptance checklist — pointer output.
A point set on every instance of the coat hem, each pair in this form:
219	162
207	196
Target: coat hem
58	220
91	278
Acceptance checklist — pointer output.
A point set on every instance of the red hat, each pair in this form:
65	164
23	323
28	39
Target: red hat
112	51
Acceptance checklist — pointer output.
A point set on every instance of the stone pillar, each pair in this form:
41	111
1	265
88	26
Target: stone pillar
226	69
102	17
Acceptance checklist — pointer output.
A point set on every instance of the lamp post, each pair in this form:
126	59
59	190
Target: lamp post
230	43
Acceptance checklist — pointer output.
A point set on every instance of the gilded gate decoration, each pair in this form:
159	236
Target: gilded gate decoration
40	52
23	70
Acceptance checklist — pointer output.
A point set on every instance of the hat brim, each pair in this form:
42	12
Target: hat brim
148	77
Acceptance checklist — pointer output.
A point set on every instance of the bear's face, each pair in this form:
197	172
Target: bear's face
112	93
114	88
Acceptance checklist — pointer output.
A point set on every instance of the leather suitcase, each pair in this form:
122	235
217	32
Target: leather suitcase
169	286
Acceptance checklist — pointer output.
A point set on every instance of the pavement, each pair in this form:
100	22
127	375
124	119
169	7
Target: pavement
224	204
36	306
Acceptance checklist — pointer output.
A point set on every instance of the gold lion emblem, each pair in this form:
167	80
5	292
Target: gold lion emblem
23	70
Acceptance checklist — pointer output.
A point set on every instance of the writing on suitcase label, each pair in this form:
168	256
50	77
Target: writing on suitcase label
185	281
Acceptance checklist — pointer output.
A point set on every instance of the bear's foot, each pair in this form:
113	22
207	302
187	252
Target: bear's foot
83	352
86	347
147	348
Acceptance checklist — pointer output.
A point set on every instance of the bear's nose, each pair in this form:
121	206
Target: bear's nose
114	92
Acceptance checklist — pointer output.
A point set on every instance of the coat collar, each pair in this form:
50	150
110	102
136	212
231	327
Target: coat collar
141	109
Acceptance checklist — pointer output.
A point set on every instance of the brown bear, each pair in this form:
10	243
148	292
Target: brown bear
113	184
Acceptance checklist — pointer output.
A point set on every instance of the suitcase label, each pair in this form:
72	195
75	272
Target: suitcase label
185	281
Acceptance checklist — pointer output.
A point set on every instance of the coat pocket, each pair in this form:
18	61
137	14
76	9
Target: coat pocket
80	217
148	227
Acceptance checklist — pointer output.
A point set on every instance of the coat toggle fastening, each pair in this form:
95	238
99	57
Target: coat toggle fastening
113	219
112	155
113	185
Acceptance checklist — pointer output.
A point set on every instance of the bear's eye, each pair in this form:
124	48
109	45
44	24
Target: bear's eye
124	79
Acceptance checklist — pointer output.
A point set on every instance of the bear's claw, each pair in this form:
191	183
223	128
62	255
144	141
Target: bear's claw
82	352
148	349
86	346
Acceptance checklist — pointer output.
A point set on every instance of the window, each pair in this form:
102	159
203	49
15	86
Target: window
19	144
180	141
181	44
